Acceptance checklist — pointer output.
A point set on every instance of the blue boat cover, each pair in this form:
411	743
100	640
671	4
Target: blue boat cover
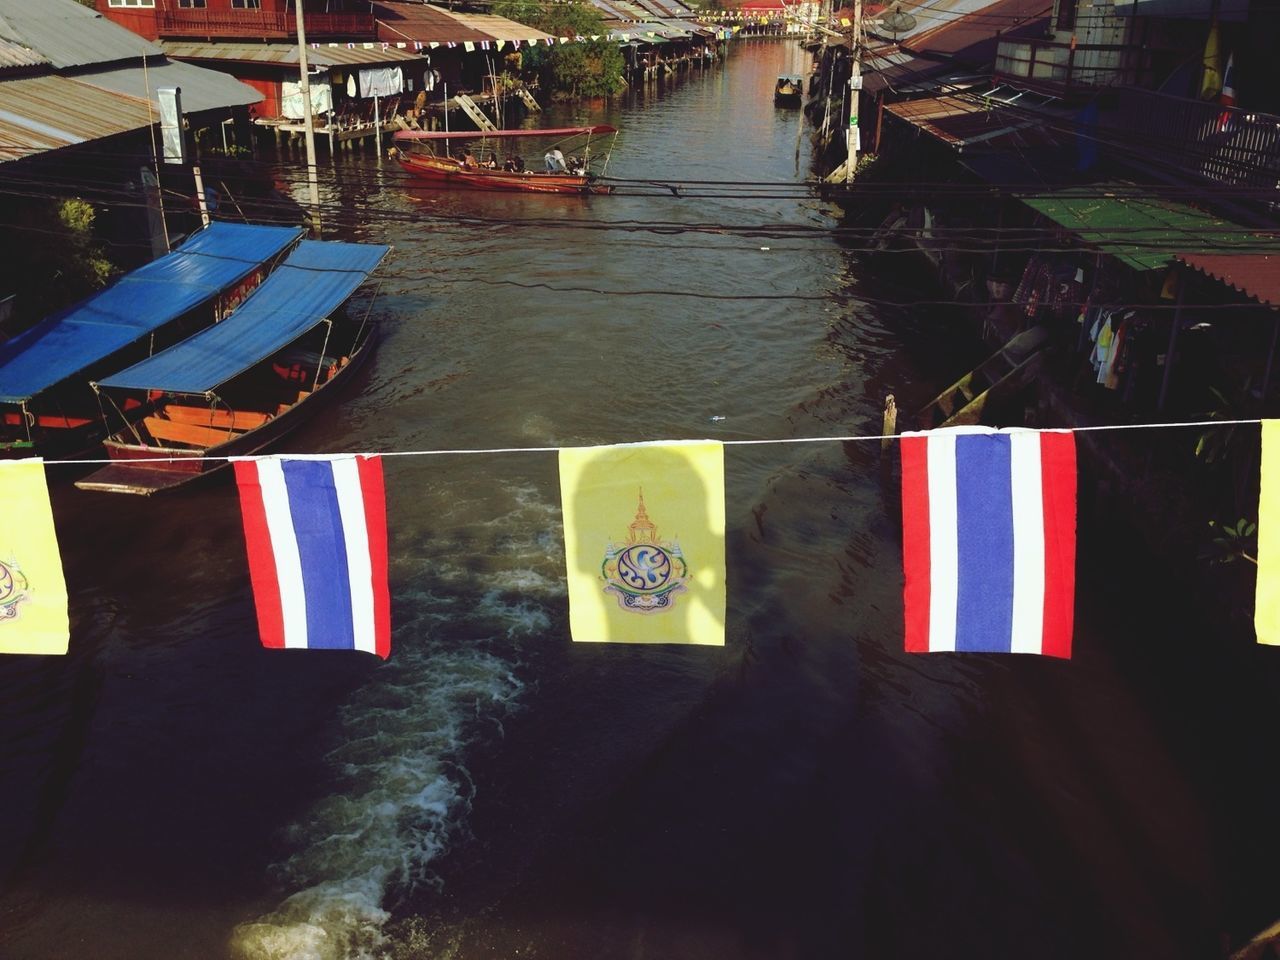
64	344
318	277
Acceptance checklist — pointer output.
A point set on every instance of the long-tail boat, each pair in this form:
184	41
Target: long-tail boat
237	387
47	407
482	166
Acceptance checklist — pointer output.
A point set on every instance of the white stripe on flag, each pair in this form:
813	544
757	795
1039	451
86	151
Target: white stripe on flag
346	482
284	545
943	542
1028	542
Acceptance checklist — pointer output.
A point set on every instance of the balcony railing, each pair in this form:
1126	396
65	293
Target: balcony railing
1222	144
265	24
1056	66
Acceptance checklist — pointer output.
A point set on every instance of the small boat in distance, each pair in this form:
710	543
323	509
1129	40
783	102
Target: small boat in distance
479	166
240	385
788	91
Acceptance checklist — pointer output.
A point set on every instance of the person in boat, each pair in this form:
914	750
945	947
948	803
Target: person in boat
554	160
469	161
490	162
576	166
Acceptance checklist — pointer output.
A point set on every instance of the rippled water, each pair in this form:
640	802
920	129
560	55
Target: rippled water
171	790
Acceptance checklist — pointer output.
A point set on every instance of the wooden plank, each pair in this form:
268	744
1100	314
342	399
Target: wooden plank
216	416
189	433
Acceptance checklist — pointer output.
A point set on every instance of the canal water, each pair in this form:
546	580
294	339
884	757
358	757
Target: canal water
494	791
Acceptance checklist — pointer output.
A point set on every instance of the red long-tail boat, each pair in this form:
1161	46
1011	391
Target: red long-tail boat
482	165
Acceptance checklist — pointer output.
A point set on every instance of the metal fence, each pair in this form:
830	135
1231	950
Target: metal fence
1218	143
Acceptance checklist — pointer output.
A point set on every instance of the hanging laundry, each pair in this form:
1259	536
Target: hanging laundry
316	533
1266	609
33	593
989	540
644	542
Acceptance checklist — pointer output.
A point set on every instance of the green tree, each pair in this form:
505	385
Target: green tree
50	258
589	68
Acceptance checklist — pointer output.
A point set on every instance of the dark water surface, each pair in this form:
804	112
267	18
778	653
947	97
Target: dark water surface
493	791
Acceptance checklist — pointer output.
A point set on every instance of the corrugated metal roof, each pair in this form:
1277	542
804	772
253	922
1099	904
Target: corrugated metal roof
201	89
1142	232
497	28
1255	275
48	112
68	34
422	23
962	122
13	54
286	54
44	113
986	17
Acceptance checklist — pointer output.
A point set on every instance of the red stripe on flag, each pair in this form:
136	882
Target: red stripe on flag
375	521
1058	486
915	541
262	559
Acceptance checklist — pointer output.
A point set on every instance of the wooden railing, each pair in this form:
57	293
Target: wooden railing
1056	66
190	22
1218	143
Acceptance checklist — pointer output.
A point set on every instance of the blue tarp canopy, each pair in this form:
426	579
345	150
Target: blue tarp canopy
318	276
61	346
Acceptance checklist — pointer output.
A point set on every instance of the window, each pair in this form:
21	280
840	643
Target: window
131	3
246	4
191	3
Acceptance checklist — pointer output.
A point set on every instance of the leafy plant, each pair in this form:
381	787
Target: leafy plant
1238	541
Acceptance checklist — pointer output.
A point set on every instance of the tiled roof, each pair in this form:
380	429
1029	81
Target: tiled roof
1256	275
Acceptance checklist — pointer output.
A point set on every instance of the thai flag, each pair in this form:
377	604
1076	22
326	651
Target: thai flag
316	532
989	540
1227	97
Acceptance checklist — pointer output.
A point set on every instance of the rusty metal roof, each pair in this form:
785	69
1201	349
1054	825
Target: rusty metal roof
1256	275
423	23
968	120
44	113
498	28
286	54
52	111
68	34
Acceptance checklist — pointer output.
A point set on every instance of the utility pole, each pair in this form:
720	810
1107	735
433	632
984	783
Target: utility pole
853	139
305	84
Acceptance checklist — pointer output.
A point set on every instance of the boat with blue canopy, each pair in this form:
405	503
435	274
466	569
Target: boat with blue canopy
240	385
46	404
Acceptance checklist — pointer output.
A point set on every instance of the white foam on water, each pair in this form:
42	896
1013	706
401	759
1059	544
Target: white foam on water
401	796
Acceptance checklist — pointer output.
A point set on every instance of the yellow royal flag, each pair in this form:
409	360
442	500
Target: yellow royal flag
644	542
33	593
1266	610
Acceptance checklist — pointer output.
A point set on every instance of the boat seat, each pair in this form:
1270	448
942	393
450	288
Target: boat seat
216	417
302	395
189	433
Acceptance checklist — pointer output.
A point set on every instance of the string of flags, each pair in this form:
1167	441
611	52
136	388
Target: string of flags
988	524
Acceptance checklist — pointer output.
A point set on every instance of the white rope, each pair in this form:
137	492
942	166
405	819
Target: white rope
471	452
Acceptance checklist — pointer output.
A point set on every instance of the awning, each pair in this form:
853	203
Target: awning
138	303
316	279
1145	233
1256	275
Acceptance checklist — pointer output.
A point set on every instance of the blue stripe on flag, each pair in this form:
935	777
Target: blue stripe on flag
984	509
322	547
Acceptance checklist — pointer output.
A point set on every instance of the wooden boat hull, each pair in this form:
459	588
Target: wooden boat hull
184	465
447	173
997	378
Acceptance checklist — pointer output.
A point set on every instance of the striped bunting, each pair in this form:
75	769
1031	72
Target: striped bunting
988	543
316	533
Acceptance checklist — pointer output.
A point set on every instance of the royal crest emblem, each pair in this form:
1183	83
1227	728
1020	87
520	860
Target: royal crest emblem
13	589
644	573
